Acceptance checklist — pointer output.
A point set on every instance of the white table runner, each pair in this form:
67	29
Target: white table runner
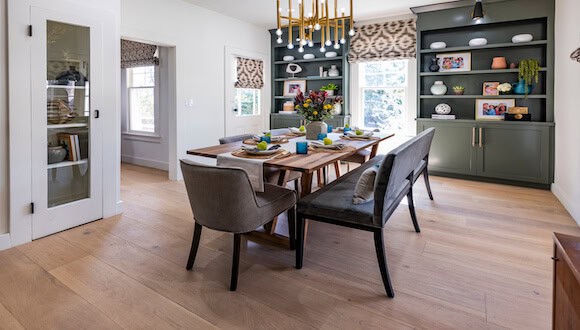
255	167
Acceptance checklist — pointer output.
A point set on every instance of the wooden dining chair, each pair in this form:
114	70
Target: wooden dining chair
223	199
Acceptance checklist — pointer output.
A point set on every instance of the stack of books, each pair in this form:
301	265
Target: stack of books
438	116
77	145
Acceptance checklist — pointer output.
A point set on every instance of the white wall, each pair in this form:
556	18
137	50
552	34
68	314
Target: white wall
3	119
142	150
567	107
199	36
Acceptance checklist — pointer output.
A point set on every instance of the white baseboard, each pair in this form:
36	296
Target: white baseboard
145	162
5	242
573	209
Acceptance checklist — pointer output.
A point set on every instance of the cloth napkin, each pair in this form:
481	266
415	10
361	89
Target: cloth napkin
253	167
333	146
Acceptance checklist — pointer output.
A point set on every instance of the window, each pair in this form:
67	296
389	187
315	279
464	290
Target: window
248	101
141	99
383	88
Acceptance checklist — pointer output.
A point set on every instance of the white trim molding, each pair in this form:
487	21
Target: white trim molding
5	242
572	208
145	162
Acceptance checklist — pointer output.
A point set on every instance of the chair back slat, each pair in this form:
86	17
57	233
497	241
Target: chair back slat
235	138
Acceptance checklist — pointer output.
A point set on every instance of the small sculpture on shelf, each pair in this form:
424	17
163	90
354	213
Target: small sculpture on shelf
293	69
499	63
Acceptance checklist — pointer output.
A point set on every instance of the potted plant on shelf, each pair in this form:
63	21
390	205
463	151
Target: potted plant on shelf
528	75
314	108
458	90
329	89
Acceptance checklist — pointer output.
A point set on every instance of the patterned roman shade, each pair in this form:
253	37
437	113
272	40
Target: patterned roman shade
250	73
135	54
383	41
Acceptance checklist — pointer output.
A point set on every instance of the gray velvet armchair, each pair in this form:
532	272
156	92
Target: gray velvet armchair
223	199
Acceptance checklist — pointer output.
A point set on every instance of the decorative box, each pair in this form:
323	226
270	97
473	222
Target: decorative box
518	117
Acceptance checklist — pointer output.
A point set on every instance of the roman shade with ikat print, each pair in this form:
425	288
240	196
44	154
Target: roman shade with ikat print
137	54
250	73
384	41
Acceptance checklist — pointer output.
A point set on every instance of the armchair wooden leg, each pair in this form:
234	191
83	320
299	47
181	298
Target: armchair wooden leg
380	248
298	187
292	227
236	261
299	241
412	210
427	184
194	246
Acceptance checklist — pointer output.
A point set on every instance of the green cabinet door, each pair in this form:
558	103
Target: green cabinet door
452	150
516	151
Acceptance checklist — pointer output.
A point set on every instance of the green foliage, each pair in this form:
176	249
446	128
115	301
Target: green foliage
529	72
458	88
329	87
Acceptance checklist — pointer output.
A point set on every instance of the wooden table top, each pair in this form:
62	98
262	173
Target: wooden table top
570	245
301	163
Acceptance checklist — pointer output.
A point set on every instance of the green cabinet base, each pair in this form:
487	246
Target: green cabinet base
508	152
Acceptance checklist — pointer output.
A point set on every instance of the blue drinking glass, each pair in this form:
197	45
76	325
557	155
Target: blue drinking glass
330	128
302	147
321	136
265	138
347	129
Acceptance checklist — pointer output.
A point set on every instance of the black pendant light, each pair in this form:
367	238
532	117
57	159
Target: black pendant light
477	10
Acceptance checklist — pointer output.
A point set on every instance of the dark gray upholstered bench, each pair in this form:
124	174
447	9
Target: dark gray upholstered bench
333	203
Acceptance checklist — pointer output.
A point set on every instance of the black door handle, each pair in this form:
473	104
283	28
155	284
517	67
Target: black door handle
97	114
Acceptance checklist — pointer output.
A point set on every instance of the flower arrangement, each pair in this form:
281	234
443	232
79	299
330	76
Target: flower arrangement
504	88
329	87
314	106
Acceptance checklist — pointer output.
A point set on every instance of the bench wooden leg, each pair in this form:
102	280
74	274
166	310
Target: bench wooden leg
412	210
427	184
194	246
380	248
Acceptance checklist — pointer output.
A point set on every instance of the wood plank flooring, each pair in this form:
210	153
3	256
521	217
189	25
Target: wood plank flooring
482	261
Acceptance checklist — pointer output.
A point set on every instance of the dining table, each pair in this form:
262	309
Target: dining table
307	164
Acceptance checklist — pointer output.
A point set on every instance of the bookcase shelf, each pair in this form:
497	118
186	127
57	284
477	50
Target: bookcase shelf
473	72
489	46
67	164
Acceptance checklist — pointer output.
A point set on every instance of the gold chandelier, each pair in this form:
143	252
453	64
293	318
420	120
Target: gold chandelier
317	19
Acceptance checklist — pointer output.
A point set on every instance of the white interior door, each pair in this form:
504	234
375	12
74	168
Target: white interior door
245	109
66	93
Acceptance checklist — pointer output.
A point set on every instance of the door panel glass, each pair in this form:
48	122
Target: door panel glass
68	112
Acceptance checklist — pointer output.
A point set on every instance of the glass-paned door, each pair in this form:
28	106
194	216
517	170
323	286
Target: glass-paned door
66	142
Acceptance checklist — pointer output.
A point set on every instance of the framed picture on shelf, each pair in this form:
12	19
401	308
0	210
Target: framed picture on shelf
292	87
490	88
456	62
492	109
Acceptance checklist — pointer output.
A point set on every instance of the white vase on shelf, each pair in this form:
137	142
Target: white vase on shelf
333	72
438	88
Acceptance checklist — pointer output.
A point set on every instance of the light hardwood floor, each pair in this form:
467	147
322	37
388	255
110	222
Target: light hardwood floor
482	260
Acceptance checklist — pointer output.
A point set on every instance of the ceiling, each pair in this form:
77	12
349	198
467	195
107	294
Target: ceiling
263	12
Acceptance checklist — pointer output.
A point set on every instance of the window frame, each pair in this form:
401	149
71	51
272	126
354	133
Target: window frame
357	89
145	136
257	105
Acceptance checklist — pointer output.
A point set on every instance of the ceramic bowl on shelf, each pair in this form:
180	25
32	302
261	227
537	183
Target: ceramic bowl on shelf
288	58
520	38
477	42
438	45
330	54
308	56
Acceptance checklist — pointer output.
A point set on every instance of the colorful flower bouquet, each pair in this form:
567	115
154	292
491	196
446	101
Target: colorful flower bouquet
316	106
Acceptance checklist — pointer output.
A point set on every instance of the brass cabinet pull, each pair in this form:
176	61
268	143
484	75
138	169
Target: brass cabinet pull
481	137
473	136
